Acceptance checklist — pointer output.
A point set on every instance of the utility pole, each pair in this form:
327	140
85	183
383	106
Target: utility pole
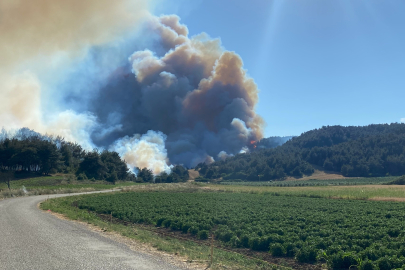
212	249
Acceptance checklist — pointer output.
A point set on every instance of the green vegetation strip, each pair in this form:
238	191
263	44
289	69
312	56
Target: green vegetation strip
313	182
342	233
60	182
194	252
56	185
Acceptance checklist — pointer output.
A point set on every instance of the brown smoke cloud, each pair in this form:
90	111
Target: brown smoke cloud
20	100
42	27
228	80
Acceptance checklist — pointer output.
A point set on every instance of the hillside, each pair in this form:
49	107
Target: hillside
368	151
272	142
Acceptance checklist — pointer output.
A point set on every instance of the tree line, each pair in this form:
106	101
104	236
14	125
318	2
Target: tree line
28	152
369	151
53	155
178	174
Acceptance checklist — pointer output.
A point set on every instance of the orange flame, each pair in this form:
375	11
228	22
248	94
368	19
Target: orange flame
252	142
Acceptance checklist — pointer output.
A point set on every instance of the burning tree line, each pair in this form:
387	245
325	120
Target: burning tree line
43	155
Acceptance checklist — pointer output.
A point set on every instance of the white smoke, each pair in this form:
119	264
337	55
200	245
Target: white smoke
144	151
402	120
224	155
244	150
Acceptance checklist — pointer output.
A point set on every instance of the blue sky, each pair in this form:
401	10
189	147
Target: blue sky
316	62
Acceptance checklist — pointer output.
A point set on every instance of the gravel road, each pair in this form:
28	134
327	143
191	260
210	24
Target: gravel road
32	239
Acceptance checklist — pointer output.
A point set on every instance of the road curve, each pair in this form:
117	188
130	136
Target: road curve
32	239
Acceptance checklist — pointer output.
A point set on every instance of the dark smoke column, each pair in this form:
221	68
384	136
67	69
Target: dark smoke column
194	101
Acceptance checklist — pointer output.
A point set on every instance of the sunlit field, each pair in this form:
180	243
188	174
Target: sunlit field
386	192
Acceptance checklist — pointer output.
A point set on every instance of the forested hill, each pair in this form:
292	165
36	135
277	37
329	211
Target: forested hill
374	150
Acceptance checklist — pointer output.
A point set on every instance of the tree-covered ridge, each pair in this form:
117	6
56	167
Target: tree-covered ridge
374	150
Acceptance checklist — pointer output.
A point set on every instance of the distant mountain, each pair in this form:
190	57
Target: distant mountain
374	150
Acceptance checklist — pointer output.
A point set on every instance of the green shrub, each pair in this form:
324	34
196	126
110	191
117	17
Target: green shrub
244	241
185	228
201	179
166	223
277	250
343	260
203	235
367	265
235	241
159	222
176	225
306	255
193	230
225	236
259	243
384	263
290	249
82	176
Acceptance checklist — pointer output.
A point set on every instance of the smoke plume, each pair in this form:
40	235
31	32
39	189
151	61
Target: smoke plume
158	98
39	37
195	93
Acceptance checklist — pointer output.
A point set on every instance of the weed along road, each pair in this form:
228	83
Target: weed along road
33	239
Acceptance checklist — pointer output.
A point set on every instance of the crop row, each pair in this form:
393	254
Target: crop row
342	232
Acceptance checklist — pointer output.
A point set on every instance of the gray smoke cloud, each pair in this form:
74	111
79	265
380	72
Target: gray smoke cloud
195	94
158	96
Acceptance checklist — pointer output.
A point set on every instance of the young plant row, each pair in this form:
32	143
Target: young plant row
344	233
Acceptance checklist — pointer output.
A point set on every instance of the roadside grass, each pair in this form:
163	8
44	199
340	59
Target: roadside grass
58	184
59	181
363	192
191	251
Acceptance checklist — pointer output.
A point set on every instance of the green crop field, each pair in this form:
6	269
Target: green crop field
342	233
313	182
